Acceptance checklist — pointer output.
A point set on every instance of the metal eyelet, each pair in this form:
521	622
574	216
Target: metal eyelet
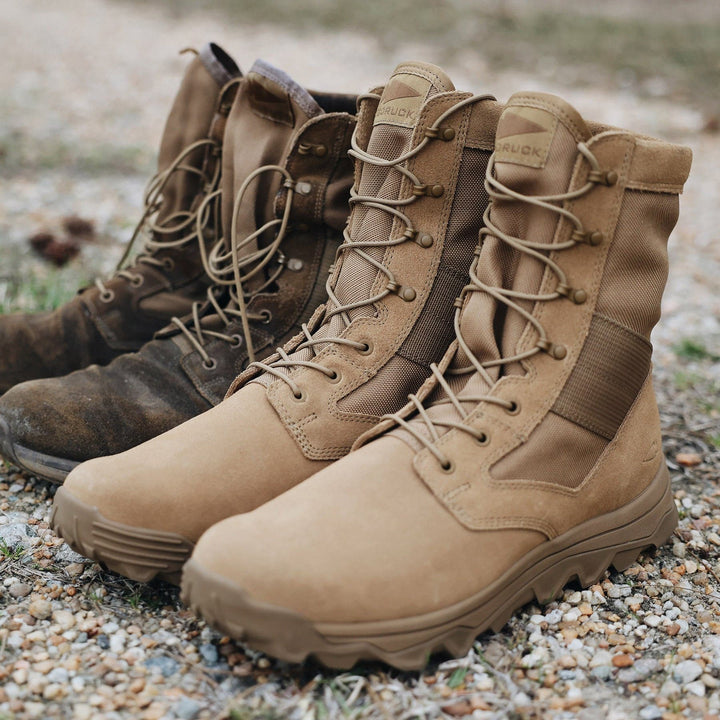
137	281
335	378
448	468
299	398
266	316
366	349
514	408
168	263
482	439
237	341
211	365
107	297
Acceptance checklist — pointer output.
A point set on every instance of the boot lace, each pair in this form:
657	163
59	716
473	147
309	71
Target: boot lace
499	192
181	221
334	307
227	269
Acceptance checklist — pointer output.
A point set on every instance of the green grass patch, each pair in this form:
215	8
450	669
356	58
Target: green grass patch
690	349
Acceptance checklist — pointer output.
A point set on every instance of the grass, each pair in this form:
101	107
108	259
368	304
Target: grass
690	349
45	289
578	43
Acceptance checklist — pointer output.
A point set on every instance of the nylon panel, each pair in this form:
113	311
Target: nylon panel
606	379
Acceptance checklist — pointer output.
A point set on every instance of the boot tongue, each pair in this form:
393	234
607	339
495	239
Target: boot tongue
268	111
535	152
410	85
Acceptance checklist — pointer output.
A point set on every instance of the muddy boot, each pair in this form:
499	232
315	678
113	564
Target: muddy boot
286	180
532	455
422	149
120	314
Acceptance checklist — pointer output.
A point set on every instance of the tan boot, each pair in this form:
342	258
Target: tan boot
280	241
422	150
120	314
532	456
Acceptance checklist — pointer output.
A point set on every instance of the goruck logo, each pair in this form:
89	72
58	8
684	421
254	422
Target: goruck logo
524	136
402	99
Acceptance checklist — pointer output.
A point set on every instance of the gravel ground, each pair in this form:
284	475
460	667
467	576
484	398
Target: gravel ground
81	117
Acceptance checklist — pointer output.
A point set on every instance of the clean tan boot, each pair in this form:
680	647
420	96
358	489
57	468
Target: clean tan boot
532	455
119	314
422	151
281	242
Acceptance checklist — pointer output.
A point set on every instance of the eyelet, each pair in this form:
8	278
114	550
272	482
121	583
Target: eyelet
168	263
211	365
482	439
107	297
299	398
367	349
448	468
335	378
514	408
137	281
266	316
237	341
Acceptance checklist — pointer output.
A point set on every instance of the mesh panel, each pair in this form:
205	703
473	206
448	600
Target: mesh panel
606	379
388	390
637	264
557	451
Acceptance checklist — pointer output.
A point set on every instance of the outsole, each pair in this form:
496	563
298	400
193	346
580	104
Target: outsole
47	467
584	553
137	553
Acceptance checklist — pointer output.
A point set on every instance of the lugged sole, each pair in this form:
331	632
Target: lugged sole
44	466
137	553
585	553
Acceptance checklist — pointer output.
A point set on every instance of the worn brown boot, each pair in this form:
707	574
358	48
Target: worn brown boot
533	454
286	179
120	314
422	150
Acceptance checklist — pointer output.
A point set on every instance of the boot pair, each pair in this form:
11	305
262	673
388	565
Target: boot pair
242	222
529	451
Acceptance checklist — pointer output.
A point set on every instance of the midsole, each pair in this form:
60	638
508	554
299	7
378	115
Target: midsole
46	466
603	532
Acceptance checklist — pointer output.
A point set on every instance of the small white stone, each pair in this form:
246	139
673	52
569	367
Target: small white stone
601	658
687	671
652	620
696	688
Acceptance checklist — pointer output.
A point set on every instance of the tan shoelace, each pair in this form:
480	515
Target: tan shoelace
182	221
227	269
498	191
334	306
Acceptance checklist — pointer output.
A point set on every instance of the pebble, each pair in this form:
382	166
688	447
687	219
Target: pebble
40	608
64	618
187	709
166	666
209	653
687	671
19	590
